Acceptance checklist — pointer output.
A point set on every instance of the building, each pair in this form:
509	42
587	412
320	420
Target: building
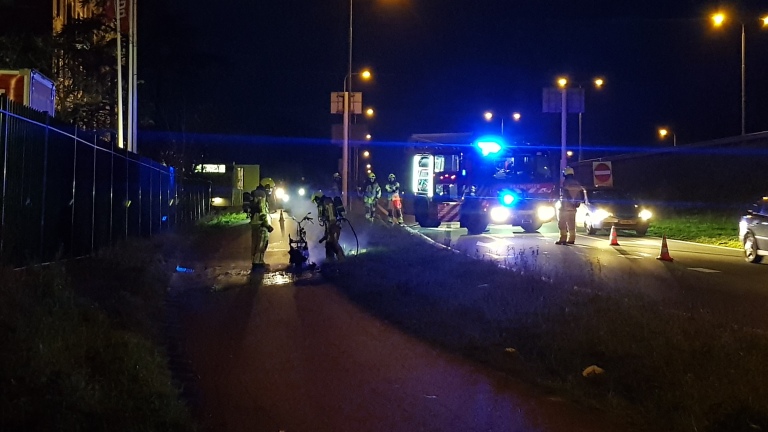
66	10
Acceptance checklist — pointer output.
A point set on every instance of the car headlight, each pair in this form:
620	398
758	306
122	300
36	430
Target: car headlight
285	197
599	215
545	212
302	191
279	192
645	214
500	214
742	229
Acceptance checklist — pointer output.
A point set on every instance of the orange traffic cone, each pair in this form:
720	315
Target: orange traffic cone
664	255
614	237
282	218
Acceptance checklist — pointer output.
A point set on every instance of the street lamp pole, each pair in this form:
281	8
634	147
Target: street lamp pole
743	85
563	124
345	143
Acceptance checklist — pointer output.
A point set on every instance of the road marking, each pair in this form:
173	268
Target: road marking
630	257
704	270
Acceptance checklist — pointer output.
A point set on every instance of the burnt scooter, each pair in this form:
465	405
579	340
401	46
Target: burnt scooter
298	251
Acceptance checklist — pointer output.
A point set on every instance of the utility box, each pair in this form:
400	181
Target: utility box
30	88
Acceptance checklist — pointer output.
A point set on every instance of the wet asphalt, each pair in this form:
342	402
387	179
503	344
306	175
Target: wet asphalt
275	353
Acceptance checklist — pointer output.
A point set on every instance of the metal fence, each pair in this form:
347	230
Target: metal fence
67	193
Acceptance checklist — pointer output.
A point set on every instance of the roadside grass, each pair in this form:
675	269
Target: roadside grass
224	219
83	347
664	370
719	228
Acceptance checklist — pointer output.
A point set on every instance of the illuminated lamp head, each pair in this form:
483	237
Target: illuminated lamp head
490	145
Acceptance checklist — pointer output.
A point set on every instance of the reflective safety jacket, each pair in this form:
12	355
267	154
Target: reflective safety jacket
372	192
392	189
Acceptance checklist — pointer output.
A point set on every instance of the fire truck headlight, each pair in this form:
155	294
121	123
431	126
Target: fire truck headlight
500	214
545	212
645	214
279	192
302	191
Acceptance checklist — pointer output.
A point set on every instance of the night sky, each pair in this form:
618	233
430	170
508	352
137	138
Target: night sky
263	71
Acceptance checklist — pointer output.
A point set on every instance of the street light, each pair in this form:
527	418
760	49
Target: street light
598	82
366	153
488	115
663	132
562	83
718	20
368	136
369	112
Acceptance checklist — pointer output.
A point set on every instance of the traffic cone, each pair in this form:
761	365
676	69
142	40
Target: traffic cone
614	237
282	218
664	255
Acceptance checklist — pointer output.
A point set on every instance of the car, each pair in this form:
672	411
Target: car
753	231
604	208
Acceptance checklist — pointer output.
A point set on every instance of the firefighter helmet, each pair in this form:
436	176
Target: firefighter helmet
391	177
268	182
568	171
372	176
316	196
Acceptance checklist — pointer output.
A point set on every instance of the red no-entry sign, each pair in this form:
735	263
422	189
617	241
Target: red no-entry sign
603	173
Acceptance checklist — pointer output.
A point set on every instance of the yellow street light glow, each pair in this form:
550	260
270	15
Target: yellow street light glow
569	153
369	112
366	153
663	132
765	21
516	116
718	19
599	82
368	136
366	74
488	115
562	82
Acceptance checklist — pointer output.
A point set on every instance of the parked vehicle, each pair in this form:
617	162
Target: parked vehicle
604	208
753	231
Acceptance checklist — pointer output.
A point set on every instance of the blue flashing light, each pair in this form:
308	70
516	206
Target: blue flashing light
463	172
490	145
507	198
164	218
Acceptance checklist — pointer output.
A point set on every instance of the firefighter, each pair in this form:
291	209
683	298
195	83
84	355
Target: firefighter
261	226
394	204
371	195
329	215
269	186
337	184
571	195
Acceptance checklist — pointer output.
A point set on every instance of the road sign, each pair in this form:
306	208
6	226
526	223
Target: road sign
355	103
553	100
602	173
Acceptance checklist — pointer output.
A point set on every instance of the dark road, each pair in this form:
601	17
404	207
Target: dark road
283	356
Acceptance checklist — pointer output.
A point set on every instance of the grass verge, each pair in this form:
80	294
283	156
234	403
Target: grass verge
664	370
82	346
708	227
224	219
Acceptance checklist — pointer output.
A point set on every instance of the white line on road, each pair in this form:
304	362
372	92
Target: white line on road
704	270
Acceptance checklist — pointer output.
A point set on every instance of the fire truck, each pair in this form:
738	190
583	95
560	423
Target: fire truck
480	181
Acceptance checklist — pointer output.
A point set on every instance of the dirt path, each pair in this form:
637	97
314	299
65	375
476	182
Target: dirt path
282	356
